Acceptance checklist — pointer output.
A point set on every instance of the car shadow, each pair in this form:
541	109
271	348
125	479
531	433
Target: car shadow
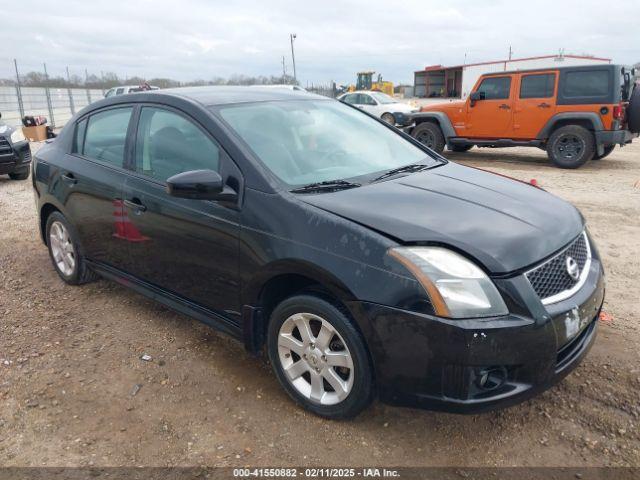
487	156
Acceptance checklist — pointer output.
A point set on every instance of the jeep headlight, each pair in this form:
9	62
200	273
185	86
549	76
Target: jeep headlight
17	136
457	287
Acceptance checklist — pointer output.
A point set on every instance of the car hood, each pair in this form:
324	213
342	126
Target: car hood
401	107
505	224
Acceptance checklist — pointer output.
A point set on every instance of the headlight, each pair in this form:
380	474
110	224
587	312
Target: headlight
456	286
17	136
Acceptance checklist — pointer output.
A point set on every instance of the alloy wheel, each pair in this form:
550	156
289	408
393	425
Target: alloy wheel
62	249
569	146
426	138
315	359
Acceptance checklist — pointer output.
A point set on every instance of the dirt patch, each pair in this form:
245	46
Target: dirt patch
70	365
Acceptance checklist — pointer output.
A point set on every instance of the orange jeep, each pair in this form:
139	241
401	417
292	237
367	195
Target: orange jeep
574	113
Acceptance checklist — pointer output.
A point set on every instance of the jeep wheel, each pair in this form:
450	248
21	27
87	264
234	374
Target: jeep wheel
460	148
607	150
319	357
571	146
429	134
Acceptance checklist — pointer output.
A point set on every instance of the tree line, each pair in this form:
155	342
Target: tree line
109	80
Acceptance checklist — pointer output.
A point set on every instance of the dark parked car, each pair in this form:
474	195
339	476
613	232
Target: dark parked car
15	154
365	263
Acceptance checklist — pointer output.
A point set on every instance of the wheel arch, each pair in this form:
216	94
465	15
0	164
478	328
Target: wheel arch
46	210
280	280
589	120
440	119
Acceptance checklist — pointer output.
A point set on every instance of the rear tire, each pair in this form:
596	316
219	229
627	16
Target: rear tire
607	150
633	111
313	345
571	146
430	135
65	252
460	148
19	175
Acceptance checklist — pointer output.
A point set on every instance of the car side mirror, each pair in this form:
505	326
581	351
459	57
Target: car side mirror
200	185
475	96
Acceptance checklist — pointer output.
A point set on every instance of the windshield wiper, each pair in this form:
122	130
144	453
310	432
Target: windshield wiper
326	185
414	167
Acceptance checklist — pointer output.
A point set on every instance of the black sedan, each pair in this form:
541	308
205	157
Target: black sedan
364	263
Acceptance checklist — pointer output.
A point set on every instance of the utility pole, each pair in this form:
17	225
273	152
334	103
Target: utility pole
292	37
284	70
510	52
18	89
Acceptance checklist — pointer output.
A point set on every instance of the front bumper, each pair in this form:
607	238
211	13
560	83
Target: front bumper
614	137
475	365
403	120
15	159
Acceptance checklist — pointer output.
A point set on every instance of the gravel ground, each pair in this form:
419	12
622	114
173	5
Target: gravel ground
74	391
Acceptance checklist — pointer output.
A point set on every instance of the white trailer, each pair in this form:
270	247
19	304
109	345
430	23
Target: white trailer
436	81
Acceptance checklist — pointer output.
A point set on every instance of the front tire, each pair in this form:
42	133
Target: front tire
429	134
65	251
19	175
571	146
319	357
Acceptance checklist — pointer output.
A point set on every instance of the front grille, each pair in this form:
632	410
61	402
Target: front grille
5	147
551	280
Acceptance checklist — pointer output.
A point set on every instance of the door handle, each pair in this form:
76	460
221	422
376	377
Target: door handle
504	106
544	105
135	204
69	178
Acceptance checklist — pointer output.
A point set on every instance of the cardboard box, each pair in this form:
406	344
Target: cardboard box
35	134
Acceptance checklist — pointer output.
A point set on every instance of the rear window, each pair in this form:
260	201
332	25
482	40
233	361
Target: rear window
537	86
495	88
595	83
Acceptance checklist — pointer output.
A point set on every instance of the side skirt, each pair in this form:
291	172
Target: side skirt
175	302
497	143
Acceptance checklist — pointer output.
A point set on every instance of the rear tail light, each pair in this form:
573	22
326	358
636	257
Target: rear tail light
618	112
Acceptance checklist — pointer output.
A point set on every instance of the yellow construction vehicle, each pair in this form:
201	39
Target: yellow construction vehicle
365	82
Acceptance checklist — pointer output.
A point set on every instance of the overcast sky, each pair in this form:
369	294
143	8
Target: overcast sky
199	39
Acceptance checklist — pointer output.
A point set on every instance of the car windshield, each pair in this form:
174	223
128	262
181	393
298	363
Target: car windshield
309	141
383	97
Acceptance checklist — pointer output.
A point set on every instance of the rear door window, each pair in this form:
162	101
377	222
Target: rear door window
106	135
495	88
595	83
538	85
350	99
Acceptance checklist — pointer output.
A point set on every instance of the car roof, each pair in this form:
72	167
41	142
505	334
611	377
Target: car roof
225	95
595	66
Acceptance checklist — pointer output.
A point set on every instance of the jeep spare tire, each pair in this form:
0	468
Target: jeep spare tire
633	111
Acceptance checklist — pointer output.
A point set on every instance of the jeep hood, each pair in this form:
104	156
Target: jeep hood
504	224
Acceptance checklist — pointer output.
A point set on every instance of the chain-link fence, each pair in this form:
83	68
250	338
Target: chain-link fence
328	90
57	104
